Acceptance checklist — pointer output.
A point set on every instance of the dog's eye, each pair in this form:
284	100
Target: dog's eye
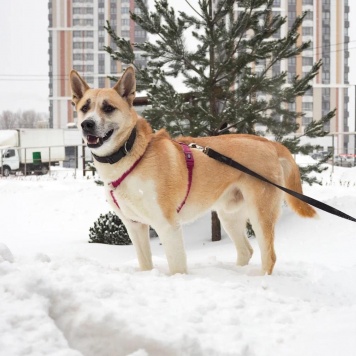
108	109
85	108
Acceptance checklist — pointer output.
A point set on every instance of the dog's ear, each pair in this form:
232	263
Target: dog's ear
78	85
126	86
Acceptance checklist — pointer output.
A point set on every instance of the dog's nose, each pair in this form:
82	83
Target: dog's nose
88	126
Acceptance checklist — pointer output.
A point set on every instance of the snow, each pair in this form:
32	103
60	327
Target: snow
62	296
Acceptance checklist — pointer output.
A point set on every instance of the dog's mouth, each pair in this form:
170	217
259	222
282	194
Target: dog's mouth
96	141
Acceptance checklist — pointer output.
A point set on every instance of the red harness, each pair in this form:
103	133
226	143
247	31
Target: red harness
189	160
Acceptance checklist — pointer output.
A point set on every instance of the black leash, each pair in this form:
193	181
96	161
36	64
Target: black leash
316	203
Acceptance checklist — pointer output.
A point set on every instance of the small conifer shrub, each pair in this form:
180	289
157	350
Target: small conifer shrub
109	229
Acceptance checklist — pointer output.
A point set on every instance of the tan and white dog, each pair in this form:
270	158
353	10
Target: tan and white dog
152	175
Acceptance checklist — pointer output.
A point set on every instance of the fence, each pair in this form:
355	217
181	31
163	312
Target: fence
42	160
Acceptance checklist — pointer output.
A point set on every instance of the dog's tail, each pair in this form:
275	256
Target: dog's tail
292	181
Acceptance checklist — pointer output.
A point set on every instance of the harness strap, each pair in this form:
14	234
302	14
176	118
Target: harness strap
118	181
316	203
189	160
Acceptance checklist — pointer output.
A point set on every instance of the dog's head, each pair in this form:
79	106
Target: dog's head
105	116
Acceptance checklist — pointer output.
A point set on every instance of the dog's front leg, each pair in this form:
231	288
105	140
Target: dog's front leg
139	235
172	241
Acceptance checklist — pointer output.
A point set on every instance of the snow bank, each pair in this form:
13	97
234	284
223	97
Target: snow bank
60	295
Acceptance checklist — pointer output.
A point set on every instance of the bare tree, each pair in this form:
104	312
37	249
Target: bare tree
9	120
27	119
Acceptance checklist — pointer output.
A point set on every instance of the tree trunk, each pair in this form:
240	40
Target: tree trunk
215	222
215	227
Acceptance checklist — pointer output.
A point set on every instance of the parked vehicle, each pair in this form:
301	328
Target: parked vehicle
320	155
30	150
345	160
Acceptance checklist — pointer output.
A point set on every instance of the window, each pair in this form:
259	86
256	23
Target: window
326	61
307	61
101	68
292	106
83	22
326	77
113	67
307	31
306	120
307	106
139	33
10	153
88	45
89	79
325	105
82	10
276	69
309	92
101	82
291	76
326	92
309	15
83	33
308	2
292	15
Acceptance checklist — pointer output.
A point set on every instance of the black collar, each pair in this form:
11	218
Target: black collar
121	153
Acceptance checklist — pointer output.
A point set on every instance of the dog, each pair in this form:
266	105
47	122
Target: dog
149	181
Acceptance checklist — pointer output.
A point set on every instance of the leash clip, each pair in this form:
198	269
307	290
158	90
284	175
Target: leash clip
197	147
203	149
206	150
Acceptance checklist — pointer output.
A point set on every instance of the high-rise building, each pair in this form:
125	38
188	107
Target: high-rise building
77	37
76	40
326	26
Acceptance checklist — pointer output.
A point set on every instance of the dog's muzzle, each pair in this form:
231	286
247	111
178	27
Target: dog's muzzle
89	131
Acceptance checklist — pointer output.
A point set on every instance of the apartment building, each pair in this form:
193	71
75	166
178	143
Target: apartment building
76	40
326	26
77	37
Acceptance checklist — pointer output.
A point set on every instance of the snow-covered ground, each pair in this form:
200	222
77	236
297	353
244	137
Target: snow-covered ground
61	296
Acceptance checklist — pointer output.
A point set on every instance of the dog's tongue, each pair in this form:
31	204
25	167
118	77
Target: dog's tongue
92	140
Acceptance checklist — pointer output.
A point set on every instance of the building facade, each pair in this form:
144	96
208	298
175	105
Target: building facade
326	25
77	37
76	41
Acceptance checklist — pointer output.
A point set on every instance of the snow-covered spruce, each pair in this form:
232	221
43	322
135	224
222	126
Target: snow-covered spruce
109	229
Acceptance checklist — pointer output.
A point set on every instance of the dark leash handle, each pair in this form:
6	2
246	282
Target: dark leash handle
316	203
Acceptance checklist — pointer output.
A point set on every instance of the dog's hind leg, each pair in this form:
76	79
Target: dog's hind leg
234	223
139	235
263	214
173	244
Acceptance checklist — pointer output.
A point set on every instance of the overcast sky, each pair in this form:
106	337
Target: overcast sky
24	55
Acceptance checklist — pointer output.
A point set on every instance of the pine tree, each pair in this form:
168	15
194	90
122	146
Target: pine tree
230	77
